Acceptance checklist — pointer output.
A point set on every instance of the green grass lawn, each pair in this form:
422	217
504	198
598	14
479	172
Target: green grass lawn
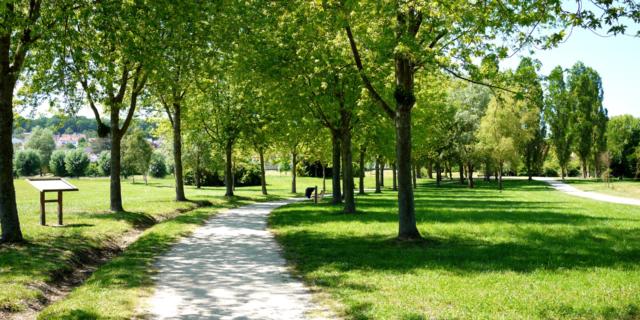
625	188
53	251
526	253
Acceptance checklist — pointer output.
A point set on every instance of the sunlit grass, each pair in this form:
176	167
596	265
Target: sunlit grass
528	252
53	251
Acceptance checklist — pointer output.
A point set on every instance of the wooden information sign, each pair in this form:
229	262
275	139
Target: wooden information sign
45	185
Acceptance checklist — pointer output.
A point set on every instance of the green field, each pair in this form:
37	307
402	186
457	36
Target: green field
52	252
625	188
527	253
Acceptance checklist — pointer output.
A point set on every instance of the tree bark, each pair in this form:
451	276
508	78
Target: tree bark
438	174
9	220
177	152
395	177
347	168
414	177
228	169
361	181
324	177
116	164
382	164
461	172
584	167
294	165
430	170
263	176
407	228
335	173
418	171
378	175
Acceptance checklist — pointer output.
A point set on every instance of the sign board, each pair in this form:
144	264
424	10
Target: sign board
51	184
45	185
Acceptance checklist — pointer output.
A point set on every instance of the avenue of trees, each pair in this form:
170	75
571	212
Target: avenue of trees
405	85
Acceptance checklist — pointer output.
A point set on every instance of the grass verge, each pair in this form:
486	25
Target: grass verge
527	253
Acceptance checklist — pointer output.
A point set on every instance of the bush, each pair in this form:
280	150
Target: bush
247	176
157	167
27	162
56	164
104	163
76	163
207	178
574	172
550	172
93	170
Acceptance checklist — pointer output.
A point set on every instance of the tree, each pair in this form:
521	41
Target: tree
535	148
104	162
502	132
585	87
559	115
431	37
76	163
107	72
27	162
24	26
623	138
157	166
136	153
181	62
42	141
57	164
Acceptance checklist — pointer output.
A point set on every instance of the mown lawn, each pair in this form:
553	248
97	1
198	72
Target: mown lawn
50	252
624	188
526	253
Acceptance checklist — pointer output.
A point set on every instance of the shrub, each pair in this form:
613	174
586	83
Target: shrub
247	176
93	170
76	163
550	172
27	162
56	164
574	172
157	167
104	163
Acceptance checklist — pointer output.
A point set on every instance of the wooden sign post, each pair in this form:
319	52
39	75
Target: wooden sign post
45	185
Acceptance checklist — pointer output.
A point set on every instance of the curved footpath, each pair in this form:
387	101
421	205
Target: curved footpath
230	268
561	186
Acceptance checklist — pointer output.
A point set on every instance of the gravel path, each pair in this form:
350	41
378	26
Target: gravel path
559	185
231	268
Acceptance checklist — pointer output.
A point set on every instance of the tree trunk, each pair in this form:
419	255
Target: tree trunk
263	176
449	170
438	174
177	153
430	170
395	177
461	172
584	167
418	171
470	174
115	188
294	165
324	177
414	177
361	181
335	173
9	221
500	177
407	228
347	168
382	164
228	169
378	175
562	173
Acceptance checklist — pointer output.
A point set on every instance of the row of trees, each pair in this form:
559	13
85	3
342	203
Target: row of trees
266	73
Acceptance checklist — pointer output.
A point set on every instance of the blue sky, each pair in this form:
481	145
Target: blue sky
617	60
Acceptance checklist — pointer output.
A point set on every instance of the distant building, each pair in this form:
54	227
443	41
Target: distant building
65	139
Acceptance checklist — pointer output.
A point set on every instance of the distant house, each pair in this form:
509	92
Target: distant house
66	138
